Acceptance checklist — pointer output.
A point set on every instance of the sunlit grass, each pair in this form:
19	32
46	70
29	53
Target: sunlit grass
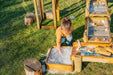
18	41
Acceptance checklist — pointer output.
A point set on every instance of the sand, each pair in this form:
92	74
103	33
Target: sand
63	58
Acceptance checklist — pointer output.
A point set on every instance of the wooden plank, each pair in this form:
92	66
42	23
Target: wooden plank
59	67
57	10
48	27
36	11
54	13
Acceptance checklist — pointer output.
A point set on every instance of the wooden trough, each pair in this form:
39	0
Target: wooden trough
97	8
58	67
97	30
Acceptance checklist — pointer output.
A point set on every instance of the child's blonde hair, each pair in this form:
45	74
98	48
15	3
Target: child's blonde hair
66	24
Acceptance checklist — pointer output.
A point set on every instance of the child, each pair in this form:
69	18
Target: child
64	32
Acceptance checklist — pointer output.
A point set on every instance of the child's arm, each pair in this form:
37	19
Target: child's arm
59	48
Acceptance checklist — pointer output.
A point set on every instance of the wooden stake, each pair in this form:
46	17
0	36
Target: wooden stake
78	63
36	12
54	13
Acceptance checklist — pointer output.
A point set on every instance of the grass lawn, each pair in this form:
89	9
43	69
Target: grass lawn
18	41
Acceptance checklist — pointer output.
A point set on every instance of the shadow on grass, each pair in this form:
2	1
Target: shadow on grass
110	1
78	33
84	65
68	11
13	16
111	25
8	3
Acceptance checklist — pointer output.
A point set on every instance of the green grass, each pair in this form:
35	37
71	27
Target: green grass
18	41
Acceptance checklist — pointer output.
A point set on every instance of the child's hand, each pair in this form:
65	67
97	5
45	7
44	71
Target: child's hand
60	52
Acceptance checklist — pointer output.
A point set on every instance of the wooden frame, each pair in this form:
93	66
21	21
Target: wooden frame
86	29
58	67
91	58
87	10
38	4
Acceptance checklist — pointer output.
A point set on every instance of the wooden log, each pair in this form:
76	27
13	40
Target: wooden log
102	51
78	63
36	12
54	13
33	67
29	18
109	49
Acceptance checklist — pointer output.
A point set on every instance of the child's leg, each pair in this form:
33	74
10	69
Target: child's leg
69	40
62	39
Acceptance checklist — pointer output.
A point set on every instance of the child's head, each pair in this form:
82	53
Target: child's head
66	25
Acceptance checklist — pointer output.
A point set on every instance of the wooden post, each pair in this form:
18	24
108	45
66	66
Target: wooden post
36	12
57	10
40	4
42	9
78	63
33	67
54	13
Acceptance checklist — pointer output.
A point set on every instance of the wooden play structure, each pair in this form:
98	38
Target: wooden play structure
97	45
41	14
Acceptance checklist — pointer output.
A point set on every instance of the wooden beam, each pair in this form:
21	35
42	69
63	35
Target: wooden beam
54	13
97	59
36	12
